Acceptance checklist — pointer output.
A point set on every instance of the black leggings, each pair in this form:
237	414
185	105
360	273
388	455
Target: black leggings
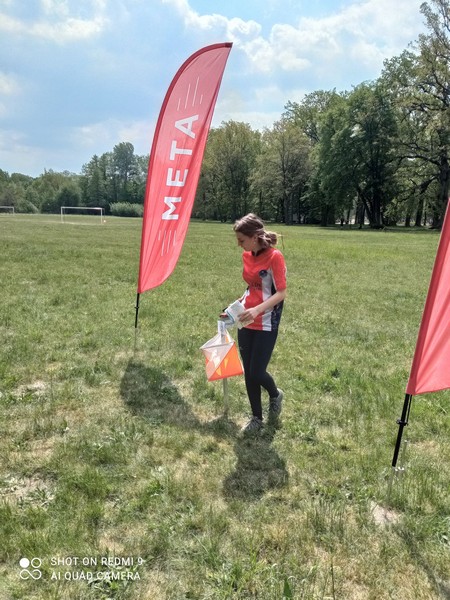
256	348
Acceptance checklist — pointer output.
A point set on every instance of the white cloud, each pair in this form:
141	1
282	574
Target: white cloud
9	90
106	134
8	85
231	105
13	148
59	21
365	31
68	30
256	119
139	133
234	30
56	7
10	25
95	135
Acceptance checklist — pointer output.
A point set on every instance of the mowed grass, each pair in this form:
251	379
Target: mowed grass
111	450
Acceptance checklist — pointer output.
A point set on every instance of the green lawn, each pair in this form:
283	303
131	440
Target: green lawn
121	454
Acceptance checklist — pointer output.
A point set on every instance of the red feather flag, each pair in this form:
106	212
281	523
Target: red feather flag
430	371
175	162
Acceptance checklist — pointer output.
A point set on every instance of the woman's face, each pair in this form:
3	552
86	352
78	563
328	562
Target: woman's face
246	242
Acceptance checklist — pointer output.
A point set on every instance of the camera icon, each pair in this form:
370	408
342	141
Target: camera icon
35	571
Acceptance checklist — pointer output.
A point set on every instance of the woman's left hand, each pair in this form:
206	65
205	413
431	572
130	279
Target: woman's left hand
249	315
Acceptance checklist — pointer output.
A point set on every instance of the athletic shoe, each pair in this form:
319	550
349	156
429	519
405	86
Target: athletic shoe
275	405
253	426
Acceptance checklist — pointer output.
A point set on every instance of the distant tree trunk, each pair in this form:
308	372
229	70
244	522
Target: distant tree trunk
376	219
444	179
327	215
347	218
260	205
419	214
289	209
360	213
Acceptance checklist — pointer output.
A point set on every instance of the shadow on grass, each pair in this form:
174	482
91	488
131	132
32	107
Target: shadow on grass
258	470
441	587
149	393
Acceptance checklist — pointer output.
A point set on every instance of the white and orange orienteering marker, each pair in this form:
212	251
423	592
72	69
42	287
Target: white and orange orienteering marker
430	371
221	356
175	161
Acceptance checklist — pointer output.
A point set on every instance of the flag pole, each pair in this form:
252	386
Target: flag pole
136	320
402	422
137	311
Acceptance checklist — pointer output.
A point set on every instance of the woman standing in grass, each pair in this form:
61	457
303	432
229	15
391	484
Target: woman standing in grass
265	274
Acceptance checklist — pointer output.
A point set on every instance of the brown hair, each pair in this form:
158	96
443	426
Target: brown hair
251	225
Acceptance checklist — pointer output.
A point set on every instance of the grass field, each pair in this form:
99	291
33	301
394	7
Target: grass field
119	472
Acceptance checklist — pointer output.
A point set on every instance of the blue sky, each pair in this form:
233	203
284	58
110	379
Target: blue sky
79	76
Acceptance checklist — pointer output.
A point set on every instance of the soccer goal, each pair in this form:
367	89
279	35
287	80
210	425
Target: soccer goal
81	210
7	210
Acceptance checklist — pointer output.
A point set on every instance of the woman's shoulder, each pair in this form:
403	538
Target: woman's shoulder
276	254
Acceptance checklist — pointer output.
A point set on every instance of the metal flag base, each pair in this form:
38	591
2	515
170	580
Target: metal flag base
397	471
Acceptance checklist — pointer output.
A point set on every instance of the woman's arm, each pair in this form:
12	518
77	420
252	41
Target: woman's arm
252	313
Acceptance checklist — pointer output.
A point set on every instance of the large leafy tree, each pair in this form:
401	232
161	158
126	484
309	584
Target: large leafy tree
13	191
281	172
315	116
230	156
114	176
433	73
94	183
370	142
333	184
308	113
354	159
419	83
48	185
124	169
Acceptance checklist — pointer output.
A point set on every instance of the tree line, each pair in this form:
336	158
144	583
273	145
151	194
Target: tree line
377	154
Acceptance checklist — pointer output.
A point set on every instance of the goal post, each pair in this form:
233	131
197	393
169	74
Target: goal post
7	209
66	210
